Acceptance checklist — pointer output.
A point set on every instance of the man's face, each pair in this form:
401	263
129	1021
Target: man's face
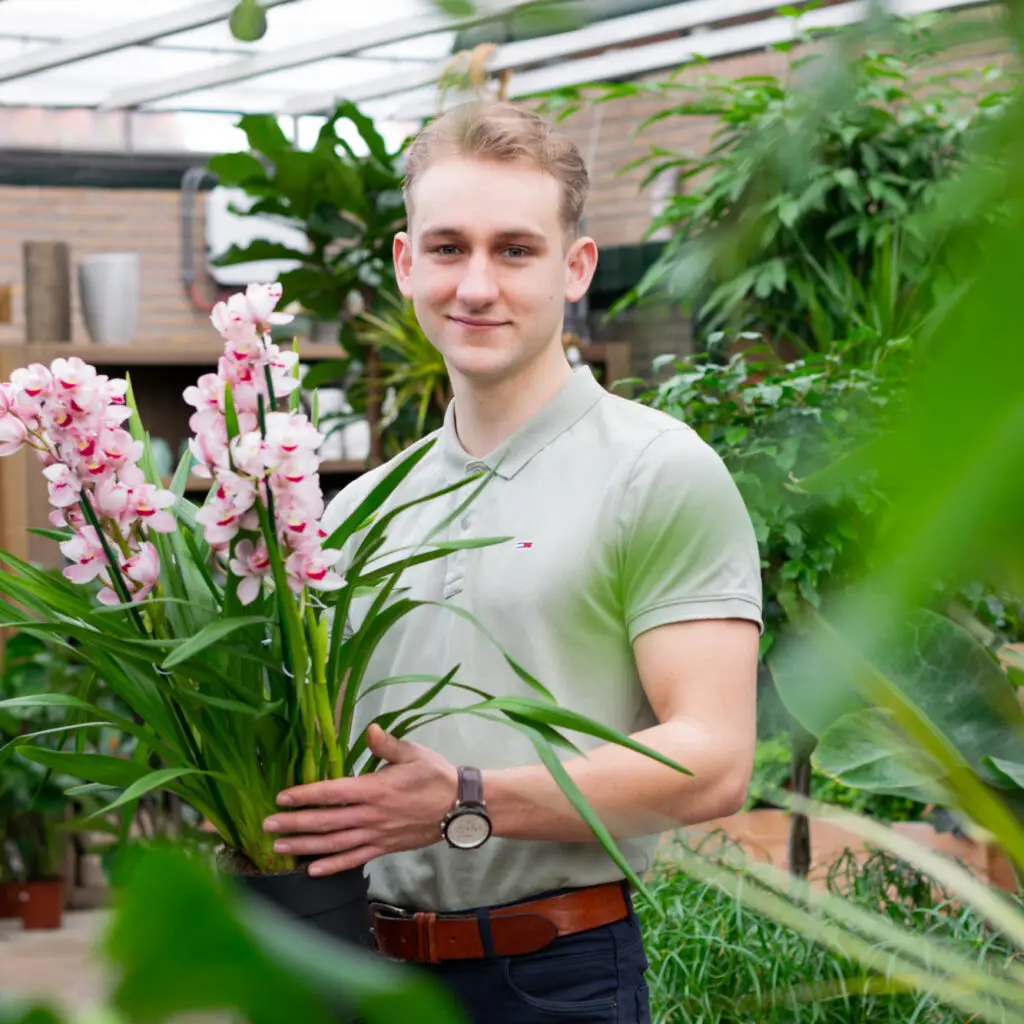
488	266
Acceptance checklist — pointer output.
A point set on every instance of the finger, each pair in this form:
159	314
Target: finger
208	826
388	748
331	842
325	793
333	819
319	822
344	861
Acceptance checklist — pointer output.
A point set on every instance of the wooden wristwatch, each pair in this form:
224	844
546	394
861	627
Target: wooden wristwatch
467	826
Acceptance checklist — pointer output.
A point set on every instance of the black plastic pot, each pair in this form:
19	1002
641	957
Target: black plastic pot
335	904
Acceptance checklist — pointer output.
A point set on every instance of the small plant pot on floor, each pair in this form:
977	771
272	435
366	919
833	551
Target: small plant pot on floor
9	905
41	904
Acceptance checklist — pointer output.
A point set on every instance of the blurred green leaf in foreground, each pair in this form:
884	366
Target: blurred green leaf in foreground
181	940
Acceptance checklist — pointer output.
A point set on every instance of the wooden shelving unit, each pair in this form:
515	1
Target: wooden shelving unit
610	360
152	355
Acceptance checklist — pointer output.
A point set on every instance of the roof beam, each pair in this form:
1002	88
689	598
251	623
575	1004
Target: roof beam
308	52
633	61
612	32
132	34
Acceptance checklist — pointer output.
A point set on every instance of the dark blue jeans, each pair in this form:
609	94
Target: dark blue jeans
593	977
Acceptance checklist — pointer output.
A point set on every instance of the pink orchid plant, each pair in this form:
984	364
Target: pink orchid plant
224	627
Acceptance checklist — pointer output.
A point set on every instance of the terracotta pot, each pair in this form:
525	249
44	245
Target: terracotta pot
9	906
42	904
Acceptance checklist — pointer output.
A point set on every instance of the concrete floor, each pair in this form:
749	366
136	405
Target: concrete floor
56	966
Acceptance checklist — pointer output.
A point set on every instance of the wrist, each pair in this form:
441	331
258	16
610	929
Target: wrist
467	825
506	802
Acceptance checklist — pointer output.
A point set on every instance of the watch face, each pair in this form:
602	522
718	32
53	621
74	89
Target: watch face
469	830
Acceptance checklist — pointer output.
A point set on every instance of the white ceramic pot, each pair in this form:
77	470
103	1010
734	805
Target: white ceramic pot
108	287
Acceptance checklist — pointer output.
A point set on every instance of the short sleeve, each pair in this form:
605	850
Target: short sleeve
687	545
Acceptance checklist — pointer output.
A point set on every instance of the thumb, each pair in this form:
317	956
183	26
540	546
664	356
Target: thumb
389	748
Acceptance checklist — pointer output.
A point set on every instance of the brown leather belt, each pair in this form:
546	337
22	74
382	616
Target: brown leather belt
521	928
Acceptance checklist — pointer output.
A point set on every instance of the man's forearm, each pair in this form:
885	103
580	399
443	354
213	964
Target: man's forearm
631	793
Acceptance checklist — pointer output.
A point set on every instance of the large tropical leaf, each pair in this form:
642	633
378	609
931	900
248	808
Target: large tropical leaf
938	664
863	749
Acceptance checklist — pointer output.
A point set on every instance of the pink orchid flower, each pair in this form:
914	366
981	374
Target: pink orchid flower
60	415
151	504
13	434
86	551
114	415
143	568
236	492
141	573
86	400
251	565
249	452
206	394
112	498
299	508
261	300
234	323
70	374
119	447
314	571
289	436
31	384
209	448
71	516
65	488
296	470
220	522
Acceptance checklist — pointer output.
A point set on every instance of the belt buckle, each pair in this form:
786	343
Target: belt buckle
388	910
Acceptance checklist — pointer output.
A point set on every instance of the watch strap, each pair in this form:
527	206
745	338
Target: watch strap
471	787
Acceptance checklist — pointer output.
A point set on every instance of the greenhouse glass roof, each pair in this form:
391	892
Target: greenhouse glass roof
180	56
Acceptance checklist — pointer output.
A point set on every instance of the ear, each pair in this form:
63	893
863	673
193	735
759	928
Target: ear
401	252
581	263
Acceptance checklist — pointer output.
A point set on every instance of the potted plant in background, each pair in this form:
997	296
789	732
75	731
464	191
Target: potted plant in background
31	803
412	373
349	206
222	629
34	808
8	883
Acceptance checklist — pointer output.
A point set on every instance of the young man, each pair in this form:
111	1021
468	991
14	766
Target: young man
631	589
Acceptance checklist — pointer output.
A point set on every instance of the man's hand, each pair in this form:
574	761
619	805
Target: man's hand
397	808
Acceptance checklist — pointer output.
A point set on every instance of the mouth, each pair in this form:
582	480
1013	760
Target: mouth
473	323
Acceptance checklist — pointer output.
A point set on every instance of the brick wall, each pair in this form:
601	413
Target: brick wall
93	220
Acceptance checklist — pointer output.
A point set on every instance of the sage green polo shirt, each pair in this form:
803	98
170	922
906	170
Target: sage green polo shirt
622	519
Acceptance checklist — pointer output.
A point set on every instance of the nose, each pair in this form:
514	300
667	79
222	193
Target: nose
477	286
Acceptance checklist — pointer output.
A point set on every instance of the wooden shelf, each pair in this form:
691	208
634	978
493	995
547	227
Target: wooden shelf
156	355
329	467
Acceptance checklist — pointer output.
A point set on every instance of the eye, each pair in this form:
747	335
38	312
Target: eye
448	249
517	251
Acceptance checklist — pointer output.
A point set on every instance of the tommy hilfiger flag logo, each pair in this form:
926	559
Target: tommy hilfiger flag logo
524	543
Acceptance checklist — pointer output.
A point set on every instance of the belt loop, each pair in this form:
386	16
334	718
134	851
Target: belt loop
483	920
426	933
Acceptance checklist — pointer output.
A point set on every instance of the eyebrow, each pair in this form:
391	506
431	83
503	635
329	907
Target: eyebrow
502	236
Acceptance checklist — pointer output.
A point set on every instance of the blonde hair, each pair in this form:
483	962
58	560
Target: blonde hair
504	133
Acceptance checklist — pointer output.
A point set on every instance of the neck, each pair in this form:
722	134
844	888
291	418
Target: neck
489	412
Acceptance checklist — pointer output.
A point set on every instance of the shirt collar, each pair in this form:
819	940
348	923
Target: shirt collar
575	398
